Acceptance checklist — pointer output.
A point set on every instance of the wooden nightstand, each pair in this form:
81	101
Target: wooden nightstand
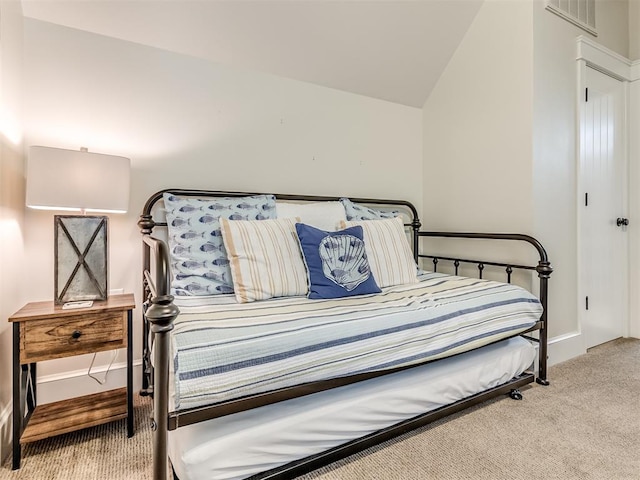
44	331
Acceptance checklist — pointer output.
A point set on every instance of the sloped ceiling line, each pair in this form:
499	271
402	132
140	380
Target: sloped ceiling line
392	50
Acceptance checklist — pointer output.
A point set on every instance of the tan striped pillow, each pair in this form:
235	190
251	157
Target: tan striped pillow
388	251
265	258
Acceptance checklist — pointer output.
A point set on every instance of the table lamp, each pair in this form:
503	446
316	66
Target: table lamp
85	182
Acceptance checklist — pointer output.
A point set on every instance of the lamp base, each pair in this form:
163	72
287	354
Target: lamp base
80	252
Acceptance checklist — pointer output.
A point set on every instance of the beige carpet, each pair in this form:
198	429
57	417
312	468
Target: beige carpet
586	425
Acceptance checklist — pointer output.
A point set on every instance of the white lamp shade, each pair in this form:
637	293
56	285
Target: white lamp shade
74	180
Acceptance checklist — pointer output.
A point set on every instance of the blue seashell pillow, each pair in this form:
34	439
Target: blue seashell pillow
336	262
199	263
357	212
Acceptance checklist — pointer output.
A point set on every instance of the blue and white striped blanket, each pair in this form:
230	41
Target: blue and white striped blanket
225	351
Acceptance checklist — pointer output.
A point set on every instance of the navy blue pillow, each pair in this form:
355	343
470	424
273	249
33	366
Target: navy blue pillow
337	264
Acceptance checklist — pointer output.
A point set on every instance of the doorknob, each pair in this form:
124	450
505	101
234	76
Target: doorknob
622	221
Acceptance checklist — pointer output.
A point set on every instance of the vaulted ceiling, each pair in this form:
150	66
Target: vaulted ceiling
393	50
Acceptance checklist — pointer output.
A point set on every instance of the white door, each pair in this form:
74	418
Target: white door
603	196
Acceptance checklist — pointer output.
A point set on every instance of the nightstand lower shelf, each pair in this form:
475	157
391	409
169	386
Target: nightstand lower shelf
75	414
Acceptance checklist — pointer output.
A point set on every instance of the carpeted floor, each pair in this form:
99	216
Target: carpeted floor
586	425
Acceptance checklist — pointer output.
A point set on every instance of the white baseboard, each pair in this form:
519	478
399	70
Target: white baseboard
61	386
565	347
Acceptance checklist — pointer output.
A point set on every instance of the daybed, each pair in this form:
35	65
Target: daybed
250	378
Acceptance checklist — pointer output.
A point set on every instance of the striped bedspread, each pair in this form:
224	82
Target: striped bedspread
225	351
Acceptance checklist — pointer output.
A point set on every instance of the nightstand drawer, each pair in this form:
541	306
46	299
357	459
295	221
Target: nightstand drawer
72	335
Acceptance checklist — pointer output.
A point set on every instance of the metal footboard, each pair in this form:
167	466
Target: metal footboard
543	269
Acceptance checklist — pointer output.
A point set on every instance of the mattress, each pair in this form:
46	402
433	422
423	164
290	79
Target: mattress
228	350
243	444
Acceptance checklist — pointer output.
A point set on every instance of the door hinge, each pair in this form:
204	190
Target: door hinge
586	302
586	94
586	199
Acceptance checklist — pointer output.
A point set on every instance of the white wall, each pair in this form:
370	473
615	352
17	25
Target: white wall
11	200
477	127
186	122
612	24
555	145
634	203
634	166
554	153
500	137
634	30
477	138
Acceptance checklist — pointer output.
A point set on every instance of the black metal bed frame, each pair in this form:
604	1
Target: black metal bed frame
159	312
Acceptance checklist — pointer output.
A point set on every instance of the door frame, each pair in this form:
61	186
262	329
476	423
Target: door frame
597	57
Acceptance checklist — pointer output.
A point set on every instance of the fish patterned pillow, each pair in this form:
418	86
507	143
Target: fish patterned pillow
199	263
336	262
357	212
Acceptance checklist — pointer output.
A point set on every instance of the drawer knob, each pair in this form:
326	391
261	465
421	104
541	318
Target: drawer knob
76	334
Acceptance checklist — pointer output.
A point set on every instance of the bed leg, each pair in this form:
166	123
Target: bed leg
161	314
544	272
541	378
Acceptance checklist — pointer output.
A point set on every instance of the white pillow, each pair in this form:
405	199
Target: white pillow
388	251
323	215
265	258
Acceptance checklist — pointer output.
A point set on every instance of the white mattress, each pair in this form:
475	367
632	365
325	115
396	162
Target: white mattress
246	443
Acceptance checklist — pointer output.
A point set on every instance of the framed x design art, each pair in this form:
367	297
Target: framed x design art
80	258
